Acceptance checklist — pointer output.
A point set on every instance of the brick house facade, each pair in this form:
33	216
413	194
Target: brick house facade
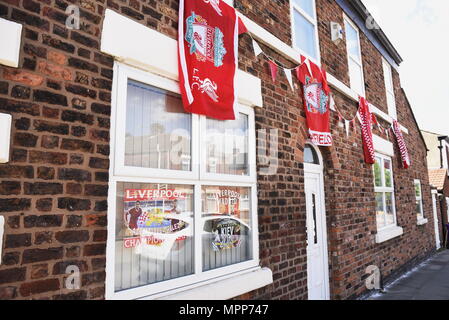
54	189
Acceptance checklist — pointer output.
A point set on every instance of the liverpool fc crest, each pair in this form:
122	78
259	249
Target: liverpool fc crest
204	41
316	98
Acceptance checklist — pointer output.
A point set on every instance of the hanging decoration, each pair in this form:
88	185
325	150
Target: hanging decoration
288	75
316	102
256	48
401	143
367	135
207	51
273	69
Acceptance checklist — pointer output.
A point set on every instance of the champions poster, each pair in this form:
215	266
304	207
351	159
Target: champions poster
155	219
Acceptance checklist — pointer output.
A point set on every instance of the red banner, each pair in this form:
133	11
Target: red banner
367	135
208	49
402	146
316	102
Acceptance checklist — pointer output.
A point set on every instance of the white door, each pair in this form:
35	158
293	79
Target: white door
435	220
317	260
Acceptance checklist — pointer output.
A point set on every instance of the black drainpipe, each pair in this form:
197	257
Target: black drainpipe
441	138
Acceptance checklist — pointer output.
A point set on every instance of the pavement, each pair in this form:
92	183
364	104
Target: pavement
427	281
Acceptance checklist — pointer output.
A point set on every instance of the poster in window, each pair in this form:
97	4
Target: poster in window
155	219
224	220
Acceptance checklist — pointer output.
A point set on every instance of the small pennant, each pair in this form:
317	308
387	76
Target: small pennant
347	127
307	62
257	49
332	104
273	69
288	75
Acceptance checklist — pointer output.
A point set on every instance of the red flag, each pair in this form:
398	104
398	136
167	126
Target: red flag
367	135
273	70
402	146
208	49
316	102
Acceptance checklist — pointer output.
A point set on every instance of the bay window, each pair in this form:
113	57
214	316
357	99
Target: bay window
356	79
182	190
304	28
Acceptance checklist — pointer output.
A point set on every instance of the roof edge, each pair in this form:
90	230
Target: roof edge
364	13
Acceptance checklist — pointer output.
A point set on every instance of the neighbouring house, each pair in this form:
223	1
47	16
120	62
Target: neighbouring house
438	164
97	120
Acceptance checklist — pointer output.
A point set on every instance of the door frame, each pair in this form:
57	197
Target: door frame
318	169
435	219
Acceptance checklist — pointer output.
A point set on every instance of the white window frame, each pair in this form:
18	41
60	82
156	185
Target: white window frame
313	20
383	189
422	219
120	173
389	89
359	62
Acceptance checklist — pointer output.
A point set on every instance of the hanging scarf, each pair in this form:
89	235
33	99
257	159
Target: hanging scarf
402	146
316	101
207	52
366	119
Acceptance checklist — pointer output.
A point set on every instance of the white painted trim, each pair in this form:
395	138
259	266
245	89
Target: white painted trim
383	146
435	219
118	173
421	222
158	54
10	39
5	136
389	233
224	289
2	229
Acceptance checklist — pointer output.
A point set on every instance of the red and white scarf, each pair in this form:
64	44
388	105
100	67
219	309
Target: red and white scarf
208	50
366	119
402	146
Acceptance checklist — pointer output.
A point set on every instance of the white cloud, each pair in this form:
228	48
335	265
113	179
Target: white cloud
418	30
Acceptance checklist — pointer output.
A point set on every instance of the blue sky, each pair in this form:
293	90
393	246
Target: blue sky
419	31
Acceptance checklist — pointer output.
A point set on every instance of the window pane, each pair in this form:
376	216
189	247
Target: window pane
154	233
227	146
356	76
391	103
306	5
310	155
304	35
418	189
227	236
377	173
419	209
352	41
387	75
158	131
387	172
389	214
380	212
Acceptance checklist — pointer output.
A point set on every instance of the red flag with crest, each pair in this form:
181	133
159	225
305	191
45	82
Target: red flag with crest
208	49
316	101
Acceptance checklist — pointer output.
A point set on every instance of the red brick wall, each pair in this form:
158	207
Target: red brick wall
53	191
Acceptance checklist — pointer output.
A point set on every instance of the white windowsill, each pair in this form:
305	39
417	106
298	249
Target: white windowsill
422	221
224	289
389	233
